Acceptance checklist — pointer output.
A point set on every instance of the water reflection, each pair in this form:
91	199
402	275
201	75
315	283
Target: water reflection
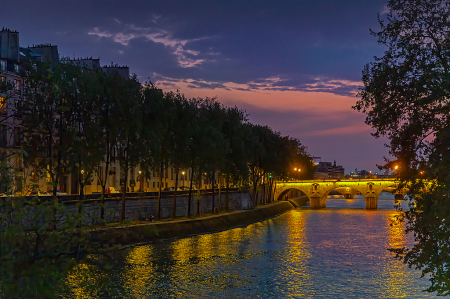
338	252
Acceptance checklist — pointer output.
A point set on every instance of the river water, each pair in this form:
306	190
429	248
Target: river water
337	252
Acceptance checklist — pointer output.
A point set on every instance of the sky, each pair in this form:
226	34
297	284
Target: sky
295	66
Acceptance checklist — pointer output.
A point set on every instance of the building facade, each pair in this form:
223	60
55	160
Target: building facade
11	57
327	170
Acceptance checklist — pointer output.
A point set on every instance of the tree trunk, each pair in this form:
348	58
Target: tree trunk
270	185
255	199
55	202
218	204
174	208
124	192
158	205
226	194
274	189
198	192
190	192
80	207
264	193
212	187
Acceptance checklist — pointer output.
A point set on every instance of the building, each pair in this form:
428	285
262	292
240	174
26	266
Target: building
327	170
11	58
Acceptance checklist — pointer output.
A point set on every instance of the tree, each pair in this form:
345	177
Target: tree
406	97
49	120
179	139
157	114
234	131
88	147
128	113
106	111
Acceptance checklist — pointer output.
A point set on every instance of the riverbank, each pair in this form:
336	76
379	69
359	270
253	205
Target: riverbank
162	230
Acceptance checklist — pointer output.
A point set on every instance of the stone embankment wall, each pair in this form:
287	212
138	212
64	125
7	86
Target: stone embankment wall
149	232
300	201
141	208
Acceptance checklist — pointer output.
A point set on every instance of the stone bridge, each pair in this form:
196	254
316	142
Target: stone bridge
318	190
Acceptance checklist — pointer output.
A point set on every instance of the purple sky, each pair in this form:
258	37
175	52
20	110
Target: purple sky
293	65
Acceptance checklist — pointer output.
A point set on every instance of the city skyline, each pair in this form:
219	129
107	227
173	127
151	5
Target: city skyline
295	67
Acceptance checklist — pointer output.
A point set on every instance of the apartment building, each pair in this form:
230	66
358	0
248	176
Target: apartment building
327	170
11	58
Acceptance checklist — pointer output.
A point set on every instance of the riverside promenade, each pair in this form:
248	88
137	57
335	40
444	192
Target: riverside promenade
142	233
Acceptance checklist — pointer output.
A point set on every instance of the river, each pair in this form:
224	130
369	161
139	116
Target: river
337	252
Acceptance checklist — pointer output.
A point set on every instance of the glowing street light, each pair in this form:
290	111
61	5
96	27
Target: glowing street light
183	177
396	167
295	169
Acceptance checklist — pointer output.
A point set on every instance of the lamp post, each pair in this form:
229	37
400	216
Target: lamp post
81	179
183	178
140	181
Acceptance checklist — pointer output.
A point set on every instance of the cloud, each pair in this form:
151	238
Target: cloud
347	130
323	85
99	33
155	18
185	57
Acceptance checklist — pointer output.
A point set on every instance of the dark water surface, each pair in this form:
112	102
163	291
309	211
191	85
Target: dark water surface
337	252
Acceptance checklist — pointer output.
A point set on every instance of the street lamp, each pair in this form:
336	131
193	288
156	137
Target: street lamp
140	181
183	178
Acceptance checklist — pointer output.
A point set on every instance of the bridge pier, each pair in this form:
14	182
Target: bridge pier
348	196
371	203
317	202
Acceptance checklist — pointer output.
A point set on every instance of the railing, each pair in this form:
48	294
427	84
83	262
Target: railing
129	195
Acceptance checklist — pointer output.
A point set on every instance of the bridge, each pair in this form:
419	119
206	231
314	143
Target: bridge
318	190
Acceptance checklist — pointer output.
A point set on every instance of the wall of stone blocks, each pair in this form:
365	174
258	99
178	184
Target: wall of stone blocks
142	208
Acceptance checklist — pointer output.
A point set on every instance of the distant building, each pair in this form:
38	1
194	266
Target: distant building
327	170
315	160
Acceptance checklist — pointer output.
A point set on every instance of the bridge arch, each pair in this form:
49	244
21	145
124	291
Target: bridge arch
317	191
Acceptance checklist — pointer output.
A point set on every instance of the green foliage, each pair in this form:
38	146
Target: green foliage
406	97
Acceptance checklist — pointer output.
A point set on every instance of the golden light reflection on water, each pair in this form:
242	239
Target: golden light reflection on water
395	276
140	270
330	253
296	274
82	281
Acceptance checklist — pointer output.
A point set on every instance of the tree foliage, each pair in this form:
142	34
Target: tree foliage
406	96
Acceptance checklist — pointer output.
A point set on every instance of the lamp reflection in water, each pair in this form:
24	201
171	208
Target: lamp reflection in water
395	276
141	270
294	273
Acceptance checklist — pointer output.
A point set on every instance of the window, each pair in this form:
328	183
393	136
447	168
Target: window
18	111
153	184
2	65
2	83
17	85
17	136
3	135
2	105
